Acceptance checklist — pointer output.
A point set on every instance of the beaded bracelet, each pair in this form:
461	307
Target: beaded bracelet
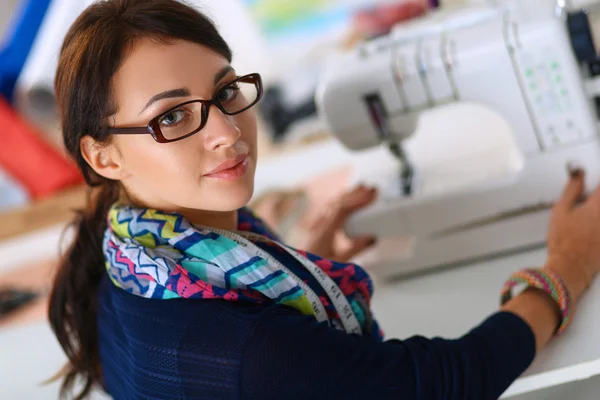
547	281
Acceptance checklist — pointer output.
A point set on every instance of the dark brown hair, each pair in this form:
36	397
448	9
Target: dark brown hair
92	52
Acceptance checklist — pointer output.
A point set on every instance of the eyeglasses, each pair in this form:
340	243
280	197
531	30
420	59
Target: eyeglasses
187	119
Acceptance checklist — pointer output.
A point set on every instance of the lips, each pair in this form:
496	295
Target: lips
230	169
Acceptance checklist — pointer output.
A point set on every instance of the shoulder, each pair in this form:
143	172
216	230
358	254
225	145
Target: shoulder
179	315
185	347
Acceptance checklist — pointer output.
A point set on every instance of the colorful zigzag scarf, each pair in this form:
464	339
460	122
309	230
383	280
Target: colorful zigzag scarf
162	256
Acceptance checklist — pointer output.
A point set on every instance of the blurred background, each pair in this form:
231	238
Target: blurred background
40	187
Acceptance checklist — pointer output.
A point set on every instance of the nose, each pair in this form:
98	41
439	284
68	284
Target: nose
220	130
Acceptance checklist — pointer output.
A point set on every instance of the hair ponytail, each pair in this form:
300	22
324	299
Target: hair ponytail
72	307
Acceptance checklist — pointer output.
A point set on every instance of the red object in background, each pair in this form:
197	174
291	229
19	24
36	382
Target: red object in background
30	160
378	20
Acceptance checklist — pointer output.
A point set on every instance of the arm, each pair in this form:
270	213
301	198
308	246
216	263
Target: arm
297	357
292	356
573	253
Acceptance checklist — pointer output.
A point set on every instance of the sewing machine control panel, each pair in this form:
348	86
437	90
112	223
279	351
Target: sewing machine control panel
551	99
553	80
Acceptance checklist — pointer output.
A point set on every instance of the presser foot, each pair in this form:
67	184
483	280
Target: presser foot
407	175
407	171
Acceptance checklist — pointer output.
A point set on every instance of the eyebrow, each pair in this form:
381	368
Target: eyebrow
223	72
184	92
168	94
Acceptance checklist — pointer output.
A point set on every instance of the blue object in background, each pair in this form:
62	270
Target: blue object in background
15	47
12	194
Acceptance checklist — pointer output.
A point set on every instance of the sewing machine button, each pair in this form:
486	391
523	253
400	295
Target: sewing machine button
539	98
570	133
549	137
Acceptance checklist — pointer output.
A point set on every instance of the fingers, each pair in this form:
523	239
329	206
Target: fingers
356	199
573	190
356	247
333	217
348	203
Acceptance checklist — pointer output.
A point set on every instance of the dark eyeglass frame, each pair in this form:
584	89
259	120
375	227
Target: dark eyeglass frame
153	127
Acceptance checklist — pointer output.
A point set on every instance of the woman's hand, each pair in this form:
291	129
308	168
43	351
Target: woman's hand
574	236
573	253
323	232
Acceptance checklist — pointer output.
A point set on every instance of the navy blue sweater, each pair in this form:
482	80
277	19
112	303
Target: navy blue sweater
214	349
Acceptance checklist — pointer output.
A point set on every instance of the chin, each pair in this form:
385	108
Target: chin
232	198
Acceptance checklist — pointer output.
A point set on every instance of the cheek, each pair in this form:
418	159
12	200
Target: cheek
247	124
150	163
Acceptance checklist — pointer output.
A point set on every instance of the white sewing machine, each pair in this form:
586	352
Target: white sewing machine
534	62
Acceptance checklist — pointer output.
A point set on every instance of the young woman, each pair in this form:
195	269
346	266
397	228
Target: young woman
174	290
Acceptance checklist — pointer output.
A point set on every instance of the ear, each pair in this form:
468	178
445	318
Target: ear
102	158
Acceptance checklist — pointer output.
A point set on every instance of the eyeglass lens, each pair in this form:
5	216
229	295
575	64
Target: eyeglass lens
188	118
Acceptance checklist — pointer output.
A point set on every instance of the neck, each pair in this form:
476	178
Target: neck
227	220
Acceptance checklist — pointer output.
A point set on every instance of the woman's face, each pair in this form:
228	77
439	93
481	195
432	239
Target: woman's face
178	176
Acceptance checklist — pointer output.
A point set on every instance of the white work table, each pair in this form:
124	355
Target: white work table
448	303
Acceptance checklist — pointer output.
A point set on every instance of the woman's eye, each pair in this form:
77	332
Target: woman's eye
227	94
173	118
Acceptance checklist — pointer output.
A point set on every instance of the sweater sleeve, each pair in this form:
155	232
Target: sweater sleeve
294	357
